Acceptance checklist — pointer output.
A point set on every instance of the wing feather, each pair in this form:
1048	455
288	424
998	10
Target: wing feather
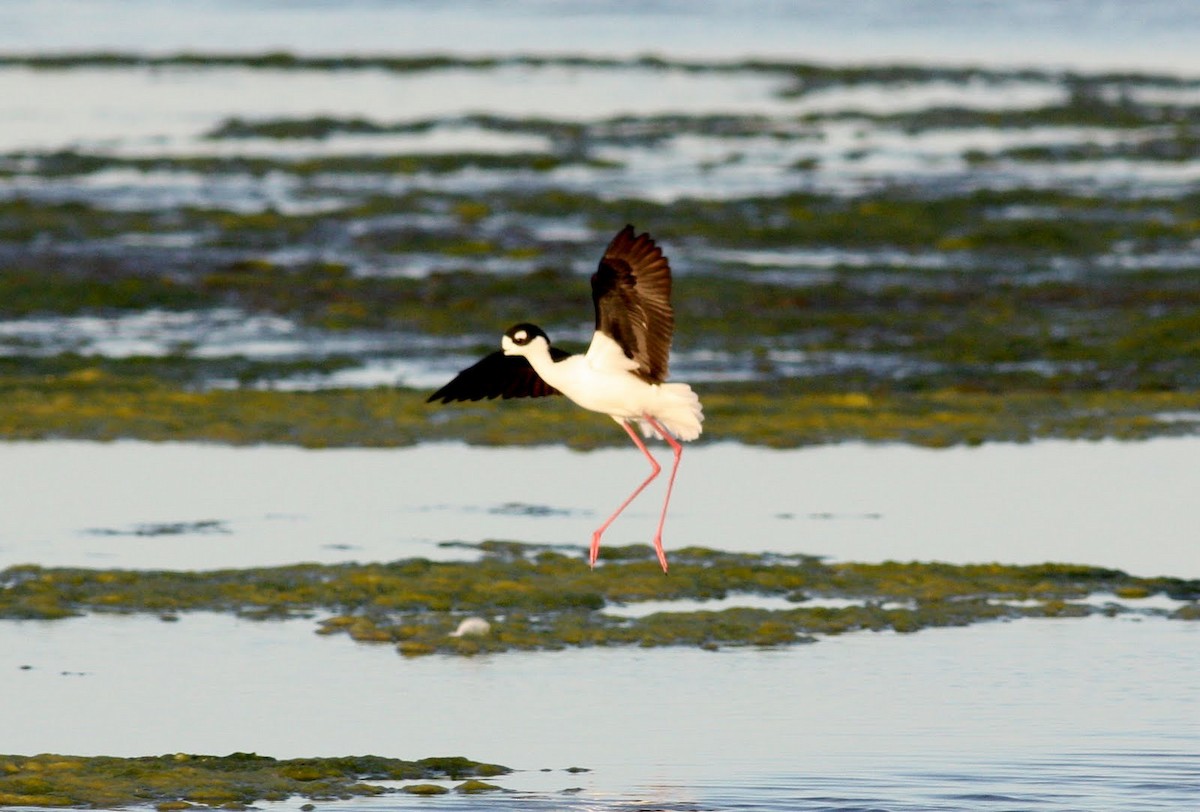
631	291
497	376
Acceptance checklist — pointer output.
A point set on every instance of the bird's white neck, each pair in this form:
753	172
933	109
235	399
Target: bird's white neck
538	355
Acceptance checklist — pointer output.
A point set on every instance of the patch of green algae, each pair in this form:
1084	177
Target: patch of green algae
542	598
183	781
99	402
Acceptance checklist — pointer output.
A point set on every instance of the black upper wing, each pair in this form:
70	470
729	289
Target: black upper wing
497	376
632	294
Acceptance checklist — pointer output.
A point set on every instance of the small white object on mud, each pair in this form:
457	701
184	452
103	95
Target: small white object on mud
472	626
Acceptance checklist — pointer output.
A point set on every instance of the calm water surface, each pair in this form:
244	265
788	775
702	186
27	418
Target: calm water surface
1079	33
191	506
1094	714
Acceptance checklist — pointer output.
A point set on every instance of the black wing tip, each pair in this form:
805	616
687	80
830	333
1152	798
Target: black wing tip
496	376
440	396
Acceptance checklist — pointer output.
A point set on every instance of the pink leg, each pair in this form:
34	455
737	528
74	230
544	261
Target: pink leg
678	451
656	469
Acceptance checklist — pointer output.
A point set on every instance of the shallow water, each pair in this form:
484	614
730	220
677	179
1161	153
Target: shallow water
1096	714
136	505
1077	33
372	357
171	111
165	110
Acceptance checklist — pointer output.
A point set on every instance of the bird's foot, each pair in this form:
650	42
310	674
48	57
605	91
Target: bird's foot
662	555
595	551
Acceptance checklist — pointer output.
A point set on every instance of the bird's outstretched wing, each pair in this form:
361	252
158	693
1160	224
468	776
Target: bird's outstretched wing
632	294
497	376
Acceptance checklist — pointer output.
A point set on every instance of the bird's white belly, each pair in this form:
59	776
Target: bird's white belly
617	394
624	396
612	392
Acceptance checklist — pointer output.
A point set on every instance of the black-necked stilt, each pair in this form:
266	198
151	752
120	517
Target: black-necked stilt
622	373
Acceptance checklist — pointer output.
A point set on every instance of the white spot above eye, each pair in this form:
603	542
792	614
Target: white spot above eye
520	335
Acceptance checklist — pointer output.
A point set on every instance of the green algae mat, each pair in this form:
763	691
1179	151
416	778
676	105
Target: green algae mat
538	598
93	404
183	781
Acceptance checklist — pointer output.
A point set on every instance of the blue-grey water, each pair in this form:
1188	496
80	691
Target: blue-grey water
1066	714
1093	714
1155	34
204	506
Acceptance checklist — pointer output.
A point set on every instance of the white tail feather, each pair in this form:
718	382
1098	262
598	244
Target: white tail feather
677	408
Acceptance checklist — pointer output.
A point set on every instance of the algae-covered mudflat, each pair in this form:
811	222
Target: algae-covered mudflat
882	252
184	781
542	599
385	581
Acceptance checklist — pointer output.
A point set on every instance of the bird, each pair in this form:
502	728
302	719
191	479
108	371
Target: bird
622	374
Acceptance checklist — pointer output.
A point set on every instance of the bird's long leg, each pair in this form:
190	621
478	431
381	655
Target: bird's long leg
656	468
677	449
